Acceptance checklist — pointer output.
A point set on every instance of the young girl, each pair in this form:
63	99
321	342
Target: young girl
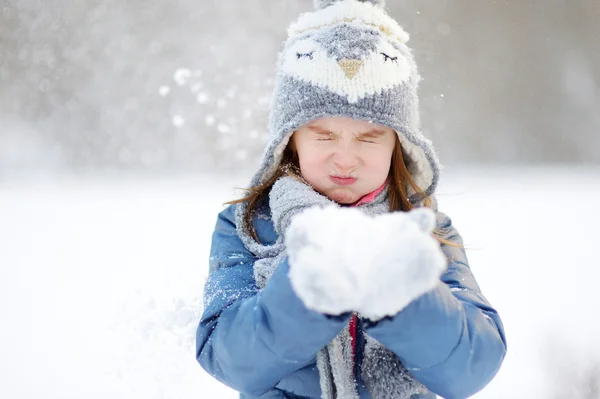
336	276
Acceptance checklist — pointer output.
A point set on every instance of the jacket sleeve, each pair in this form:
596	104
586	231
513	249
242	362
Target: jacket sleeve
250	339
450	339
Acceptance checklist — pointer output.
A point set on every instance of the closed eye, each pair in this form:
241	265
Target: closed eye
371	137
308	55
389	58
324	136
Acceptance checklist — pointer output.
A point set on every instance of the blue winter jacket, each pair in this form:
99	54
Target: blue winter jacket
264	343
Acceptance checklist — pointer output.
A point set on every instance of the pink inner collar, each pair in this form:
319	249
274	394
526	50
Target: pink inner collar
369	197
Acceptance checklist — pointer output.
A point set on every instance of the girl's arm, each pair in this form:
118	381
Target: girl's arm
247	339
450	338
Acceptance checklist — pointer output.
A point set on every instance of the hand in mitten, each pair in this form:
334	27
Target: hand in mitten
343	260
407	262
324	272
289	196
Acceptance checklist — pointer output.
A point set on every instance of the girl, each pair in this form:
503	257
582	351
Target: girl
336	276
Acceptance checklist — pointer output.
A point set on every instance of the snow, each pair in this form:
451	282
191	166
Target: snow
178	120
181	76
223	128
164	90
209	120
349	261
100	288
202	98
101	279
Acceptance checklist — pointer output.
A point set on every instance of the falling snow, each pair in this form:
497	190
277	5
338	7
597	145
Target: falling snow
181	76
178	120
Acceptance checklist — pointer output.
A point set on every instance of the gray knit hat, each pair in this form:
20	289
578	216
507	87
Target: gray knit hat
349	58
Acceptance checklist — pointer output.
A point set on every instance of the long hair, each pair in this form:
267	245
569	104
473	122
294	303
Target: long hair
290	166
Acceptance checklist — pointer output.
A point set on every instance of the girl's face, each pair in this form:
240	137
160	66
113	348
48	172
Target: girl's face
343	158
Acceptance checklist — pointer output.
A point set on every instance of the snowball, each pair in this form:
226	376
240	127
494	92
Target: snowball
343	260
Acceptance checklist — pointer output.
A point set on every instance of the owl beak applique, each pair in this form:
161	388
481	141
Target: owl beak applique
350	67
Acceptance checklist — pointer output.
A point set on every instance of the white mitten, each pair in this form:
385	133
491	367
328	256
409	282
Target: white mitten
407	263
343	260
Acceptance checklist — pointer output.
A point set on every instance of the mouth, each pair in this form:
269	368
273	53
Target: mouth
343	180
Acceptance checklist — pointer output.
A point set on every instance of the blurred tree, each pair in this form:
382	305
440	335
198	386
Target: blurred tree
185	86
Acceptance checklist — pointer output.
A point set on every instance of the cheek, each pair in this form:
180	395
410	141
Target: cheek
311	161
379	161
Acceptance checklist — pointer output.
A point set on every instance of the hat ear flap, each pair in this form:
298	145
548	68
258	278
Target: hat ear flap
320	4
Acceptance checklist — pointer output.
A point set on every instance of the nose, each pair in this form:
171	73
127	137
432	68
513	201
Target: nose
345	160
350	67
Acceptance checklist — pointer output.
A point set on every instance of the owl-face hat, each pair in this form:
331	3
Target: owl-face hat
349	58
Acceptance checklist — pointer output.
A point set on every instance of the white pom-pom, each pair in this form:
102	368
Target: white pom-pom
320	4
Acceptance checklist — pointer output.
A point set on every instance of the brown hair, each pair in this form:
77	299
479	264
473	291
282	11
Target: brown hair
289	166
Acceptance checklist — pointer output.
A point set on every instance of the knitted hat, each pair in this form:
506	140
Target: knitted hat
349	58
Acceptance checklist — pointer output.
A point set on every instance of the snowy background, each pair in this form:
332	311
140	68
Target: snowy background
124	126
101	280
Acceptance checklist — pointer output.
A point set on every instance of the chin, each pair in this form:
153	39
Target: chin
343	196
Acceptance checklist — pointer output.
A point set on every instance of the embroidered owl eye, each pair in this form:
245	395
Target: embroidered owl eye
309	55
388	58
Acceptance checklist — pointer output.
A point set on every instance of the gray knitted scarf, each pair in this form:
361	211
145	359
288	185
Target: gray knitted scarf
383	373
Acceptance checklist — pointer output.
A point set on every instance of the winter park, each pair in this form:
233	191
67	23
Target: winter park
125	127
